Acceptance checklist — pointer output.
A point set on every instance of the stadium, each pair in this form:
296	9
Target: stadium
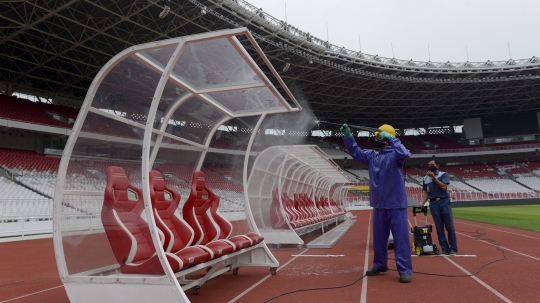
198	157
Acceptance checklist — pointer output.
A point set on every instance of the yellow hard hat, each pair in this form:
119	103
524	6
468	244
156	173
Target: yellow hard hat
387	128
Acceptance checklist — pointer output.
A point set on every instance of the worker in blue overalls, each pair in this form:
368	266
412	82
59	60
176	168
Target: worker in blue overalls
387	197
434	186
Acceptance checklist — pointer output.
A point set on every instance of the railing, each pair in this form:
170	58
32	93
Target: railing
20	217
474	196
306	45
480	149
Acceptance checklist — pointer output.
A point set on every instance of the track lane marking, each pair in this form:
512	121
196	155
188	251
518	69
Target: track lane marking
517	252
363	294
263	279
502	247
508	232
444	256
327	256
498	294
34	293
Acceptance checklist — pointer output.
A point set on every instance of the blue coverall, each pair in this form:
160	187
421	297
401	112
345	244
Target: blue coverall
389	201
441	211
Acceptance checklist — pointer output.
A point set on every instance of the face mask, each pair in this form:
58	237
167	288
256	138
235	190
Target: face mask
378	145
432	168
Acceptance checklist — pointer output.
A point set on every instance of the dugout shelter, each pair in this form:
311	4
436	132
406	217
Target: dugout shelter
150	119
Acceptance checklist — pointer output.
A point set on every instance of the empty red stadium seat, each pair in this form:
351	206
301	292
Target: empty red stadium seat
125	225
177	235
127	229
225	229
276	216
195	213
210	228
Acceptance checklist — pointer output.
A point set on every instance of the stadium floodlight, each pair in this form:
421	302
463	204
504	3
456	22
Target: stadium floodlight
287	64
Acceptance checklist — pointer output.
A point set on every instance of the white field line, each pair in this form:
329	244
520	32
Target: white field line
498	294
363	295
262	280
37	292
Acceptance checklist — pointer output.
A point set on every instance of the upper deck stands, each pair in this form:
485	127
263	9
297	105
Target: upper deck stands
441	142
512	143
26	160
10	108
533	166
511	168
414	143
471	171
67	112
410	171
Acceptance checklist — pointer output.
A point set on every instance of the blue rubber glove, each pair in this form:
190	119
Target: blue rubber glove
385	136
346	131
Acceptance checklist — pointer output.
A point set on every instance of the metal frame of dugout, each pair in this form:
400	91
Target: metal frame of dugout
299	169
150	90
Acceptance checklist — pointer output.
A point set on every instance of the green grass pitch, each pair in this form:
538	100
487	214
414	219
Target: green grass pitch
517	216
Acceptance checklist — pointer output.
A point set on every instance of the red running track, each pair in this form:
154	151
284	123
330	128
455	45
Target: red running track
28	272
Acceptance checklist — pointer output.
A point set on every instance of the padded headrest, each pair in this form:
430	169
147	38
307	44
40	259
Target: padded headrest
157	181
198	180
117	178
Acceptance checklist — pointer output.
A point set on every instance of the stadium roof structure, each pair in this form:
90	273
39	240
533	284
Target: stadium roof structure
59	46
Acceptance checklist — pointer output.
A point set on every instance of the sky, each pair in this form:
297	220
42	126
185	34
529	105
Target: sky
451	28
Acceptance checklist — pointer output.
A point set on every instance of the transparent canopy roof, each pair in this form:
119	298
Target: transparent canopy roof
315	158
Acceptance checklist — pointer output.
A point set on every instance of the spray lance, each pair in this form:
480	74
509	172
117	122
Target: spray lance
364	128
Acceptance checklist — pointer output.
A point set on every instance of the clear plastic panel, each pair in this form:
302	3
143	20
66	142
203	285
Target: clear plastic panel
177	167
194	120
213	63
267	71
127	90
224	169
247	100
103	128
290	181
171	98
224	176
89	241
86	246
159	57
231	135
263	186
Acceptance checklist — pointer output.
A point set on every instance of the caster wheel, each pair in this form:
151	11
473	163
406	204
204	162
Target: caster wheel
418	251
235	271
435	249
273	271
196	290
